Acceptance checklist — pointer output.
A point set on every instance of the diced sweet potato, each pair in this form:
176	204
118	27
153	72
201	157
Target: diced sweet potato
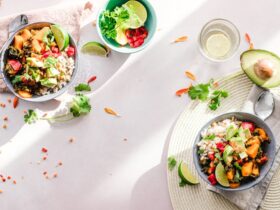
253	140
252	151
247	169
26	34
36	45
40	34
230	174
262	134
18	42
24	94
256	170
234	185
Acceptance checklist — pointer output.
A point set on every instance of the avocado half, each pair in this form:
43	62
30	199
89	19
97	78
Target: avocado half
250	57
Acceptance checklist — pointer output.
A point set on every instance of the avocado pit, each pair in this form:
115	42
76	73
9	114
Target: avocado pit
264	69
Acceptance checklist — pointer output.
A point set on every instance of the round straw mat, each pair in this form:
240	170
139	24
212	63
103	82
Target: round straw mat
195	115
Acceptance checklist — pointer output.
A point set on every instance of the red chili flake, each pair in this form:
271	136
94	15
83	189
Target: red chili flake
45	150
44	115
44	158
91	79
15	102
14	182
71	140
45	173
9	177
55	175
5	126
216	84
5	118
181	92
3	179
60	163
9	100
247	38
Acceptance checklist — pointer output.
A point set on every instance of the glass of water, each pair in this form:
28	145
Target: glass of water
219	40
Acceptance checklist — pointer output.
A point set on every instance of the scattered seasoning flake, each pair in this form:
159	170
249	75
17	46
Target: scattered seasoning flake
5	126
182	91
110	111
55	175
15	102
3	105
216	84
251	46
44	115
45	173
190	75
24	112
14	182
125	139
5	118
91	79
1	191
3	179
247	38
45	150
181	39
60	163
71	140
94	23
44	158
9	177
9	100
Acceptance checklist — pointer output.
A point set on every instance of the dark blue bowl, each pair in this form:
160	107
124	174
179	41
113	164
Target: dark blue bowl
269	149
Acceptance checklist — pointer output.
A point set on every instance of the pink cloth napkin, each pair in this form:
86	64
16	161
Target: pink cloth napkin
68	16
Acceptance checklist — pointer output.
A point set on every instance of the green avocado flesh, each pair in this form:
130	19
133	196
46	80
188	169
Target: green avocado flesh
250	57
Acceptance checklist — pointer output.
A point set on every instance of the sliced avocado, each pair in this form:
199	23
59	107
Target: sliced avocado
247	133
231	132
51	82
238	141
227	155
250	58
241	134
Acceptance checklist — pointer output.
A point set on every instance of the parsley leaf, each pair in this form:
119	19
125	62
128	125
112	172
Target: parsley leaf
80	105
171	163
82	87
30	116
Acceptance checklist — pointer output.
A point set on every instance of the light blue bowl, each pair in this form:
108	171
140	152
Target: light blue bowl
150	24
269	149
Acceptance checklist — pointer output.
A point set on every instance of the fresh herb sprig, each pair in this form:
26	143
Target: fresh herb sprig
206	91
82	87
79	106
171	163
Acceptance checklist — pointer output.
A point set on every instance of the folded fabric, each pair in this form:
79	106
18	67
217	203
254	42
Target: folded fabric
252	198
69	16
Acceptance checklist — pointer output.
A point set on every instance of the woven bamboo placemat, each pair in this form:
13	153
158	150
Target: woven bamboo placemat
188	125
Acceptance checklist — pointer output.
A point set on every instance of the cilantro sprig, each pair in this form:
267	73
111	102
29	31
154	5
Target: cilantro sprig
171	163
206	92
79	106
82	87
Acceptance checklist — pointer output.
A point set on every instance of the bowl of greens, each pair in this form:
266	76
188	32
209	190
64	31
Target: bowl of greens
127	26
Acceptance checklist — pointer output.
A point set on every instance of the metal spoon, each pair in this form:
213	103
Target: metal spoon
264	106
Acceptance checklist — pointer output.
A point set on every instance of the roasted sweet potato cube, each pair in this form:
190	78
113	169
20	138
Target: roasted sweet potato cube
18	42
252	151
247	169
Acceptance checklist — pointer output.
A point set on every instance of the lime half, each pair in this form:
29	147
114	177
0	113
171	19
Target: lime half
186	175
221	176
95	48
61	36
137	14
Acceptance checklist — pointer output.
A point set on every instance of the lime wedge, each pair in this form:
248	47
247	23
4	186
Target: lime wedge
61	36
186	175
221	176
137	14
121	37
95	48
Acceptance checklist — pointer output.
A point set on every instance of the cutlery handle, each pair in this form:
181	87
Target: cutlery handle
19	21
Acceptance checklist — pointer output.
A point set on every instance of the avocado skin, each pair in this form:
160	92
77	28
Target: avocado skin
255	77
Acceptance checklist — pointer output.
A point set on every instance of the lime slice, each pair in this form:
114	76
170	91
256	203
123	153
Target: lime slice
221	176
95	48
137	14
186	175
61	36
121	37
218	45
